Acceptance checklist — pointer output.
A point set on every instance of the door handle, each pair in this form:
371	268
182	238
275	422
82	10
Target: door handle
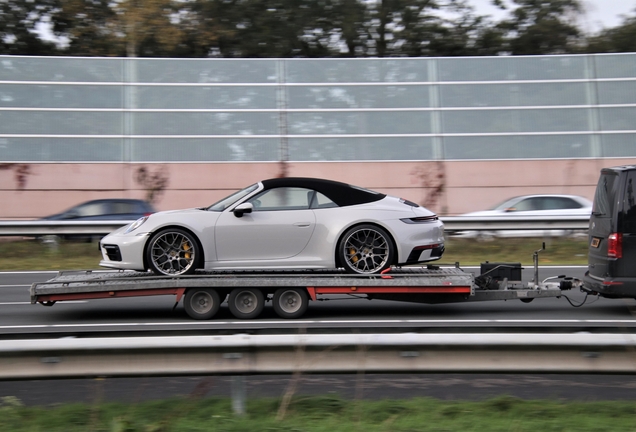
302	224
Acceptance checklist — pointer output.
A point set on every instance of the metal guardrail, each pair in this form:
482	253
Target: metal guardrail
340	353
451	223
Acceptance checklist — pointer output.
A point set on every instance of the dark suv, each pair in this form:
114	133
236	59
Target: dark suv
612	235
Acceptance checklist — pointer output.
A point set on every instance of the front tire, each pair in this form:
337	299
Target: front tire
172	252
201	303
246	303
366	249
290	303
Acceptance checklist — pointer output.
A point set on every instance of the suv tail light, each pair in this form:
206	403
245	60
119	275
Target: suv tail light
615	245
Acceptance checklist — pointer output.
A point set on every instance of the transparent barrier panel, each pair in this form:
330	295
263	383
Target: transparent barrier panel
512	68
216	123
516	94
215	71
61	122
61	150
516	120
202	97
357	70
60	69
205	150
351	122
343	96
60	96
360	149
518	147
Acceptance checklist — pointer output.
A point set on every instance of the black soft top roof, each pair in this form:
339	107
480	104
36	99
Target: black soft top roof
340	193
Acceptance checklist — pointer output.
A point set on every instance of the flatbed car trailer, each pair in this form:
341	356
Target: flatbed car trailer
290	292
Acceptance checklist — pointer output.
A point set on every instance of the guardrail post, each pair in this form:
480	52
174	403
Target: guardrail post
238	394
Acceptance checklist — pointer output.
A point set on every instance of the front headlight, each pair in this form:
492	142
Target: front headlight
136	224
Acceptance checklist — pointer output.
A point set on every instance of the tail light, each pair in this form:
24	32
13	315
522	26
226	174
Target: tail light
615	245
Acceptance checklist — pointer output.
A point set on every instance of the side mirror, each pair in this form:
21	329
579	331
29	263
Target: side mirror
243	208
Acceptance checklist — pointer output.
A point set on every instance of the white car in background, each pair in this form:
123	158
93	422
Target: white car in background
529	206
284	223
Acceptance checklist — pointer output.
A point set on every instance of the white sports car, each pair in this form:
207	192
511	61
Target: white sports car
283	223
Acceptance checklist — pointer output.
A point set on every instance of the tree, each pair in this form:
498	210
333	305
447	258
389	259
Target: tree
18	27
145	28
618	39
542	27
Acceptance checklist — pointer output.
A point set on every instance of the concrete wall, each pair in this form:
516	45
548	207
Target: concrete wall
34	190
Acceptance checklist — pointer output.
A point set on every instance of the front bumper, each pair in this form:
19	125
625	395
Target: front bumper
130	248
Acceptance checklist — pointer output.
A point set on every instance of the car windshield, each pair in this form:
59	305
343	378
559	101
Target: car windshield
219	206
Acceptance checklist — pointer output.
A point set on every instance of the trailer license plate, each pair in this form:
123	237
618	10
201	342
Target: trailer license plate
595	242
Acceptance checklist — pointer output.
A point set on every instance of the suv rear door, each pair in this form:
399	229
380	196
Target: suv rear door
602	222
612	235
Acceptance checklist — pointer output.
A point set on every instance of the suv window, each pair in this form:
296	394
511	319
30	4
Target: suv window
629	204
604	198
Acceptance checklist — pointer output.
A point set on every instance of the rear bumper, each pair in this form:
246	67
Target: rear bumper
610	287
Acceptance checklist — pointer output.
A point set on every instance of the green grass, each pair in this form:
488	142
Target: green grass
324	414
34	255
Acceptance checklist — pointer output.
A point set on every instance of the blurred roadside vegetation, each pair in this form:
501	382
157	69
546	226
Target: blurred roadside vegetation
304	28
70	255
324	413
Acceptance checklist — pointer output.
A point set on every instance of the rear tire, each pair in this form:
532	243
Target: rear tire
290	303
366	249
201	303
246	303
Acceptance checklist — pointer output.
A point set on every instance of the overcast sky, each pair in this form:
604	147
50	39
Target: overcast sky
599	13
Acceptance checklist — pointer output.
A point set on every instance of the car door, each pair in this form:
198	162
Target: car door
279	227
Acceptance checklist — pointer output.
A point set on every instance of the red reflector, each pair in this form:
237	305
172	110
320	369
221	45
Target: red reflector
615	245
433	246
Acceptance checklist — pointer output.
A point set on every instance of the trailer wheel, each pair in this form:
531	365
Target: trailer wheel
366	249
527	300
290	303
201	303
246	303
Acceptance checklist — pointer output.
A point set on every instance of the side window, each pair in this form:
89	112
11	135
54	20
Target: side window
528	204
560	203
94	209
284	198
320	201
119	207
629	204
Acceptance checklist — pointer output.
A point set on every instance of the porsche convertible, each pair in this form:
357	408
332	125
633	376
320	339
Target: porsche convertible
279	224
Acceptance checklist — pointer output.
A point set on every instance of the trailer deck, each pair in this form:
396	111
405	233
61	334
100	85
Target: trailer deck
290	291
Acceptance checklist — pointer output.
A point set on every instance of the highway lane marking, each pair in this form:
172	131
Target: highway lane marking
28	303
15	286
295	323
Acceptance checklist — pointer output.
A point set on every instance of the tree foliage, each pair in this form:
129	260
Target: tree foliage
299	28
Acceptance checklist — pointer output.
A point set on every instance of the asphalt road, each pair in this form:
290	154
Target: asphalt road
18	318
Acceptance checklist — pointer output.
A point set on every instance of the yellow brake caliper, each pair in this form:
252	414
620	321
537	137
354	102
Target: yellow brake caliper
354	257
186	247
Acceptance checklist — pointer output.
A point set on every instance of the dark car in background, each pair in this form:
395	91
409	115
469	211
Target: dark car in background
106	209
612	235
